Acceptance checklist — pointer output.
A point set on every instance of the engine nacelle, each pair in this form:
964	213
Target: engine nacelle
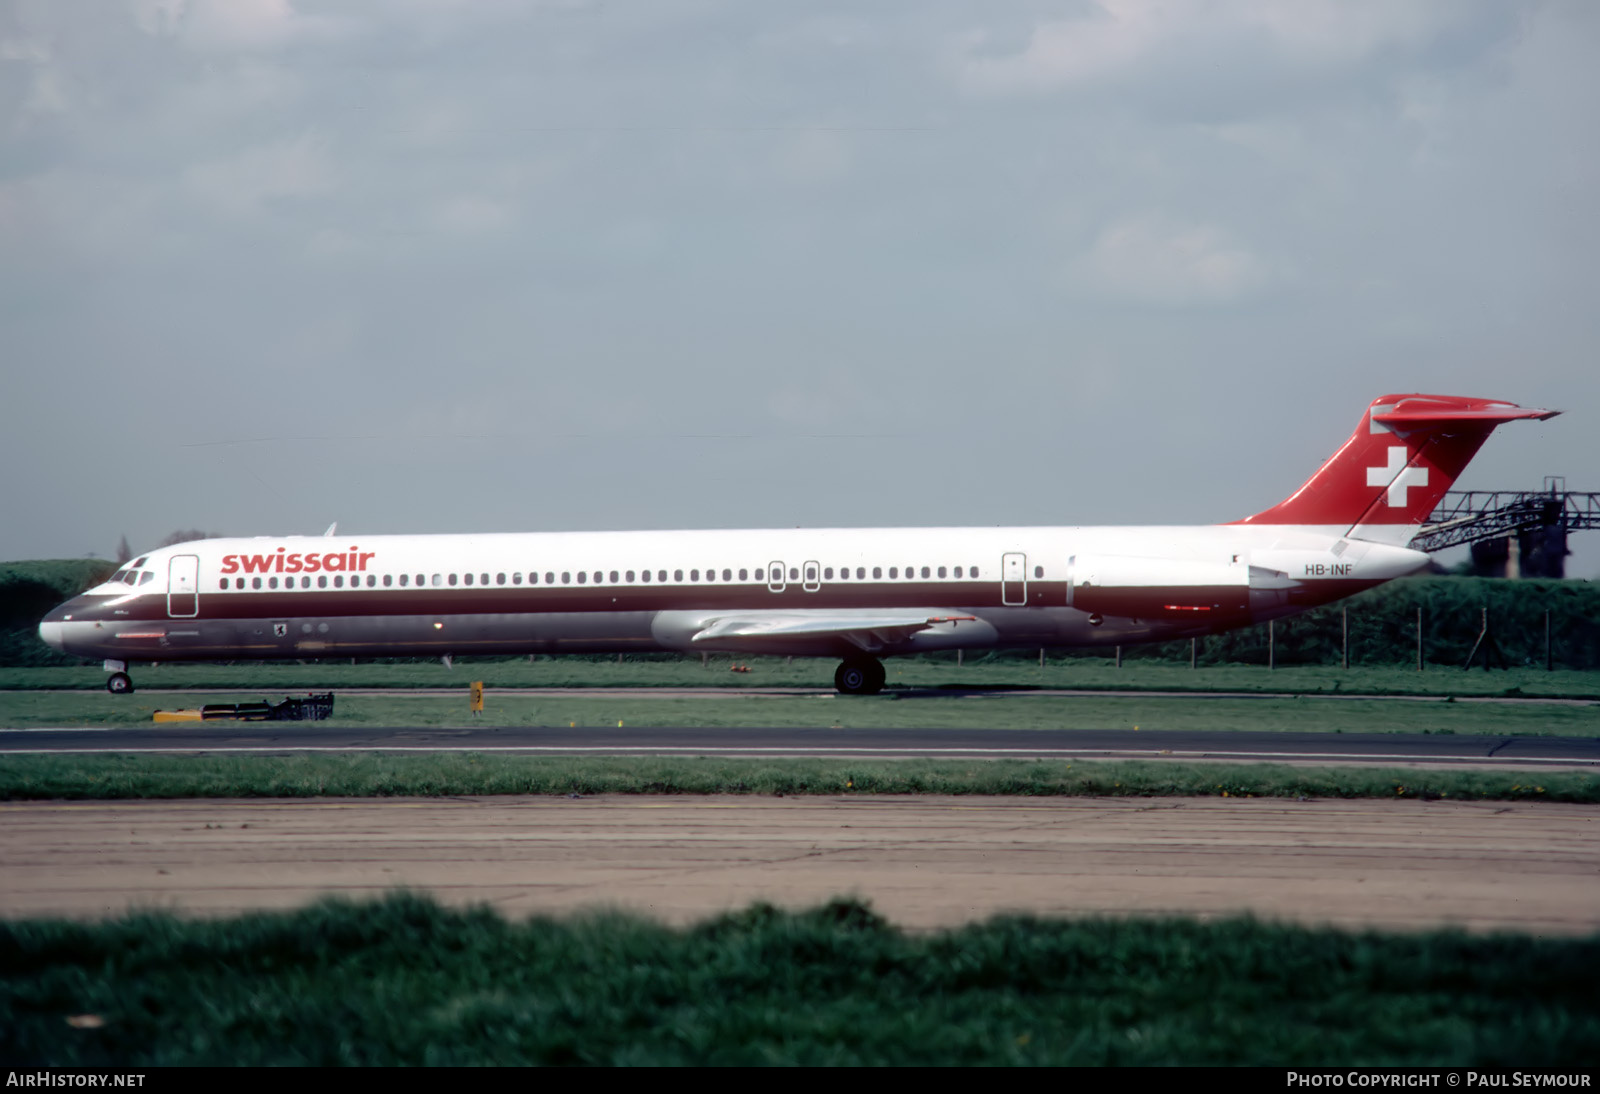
1159	588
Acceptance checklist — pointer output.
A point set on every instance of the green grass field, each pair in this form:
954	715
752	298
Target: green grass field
825	709
1060	672
471	774
403	981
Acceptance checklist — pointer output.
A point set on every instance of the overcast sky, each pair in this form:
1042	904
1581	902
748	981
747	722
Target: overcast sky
501	265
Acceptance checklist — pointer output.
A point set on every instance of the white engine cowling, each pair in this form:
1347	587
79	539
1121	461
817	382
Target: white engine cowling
1159	588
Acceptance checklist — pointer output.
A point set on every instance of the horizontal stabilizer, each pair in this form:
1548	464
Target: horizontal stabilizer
1406	419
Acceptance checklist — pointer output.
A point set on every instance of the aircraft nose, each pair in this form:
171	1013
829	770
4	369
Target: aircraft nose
53	627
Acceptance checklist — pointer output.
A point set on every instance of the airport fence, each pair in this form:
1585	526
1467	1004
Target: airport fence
1426	621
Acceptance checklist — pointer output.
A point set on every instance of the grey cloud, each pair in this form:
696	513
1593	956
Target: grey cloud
443	265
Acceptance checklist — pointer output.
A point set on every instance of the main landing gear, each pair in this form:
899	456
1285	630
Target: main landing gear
864	676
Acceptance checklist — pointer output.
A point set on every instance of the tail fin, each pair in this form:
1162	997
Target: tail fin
1385	480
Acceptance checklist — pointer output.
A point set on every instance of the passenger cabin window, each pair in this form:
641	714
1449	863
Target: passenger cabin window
452	579
894	572
643	573
694	575
499	579
1038	571
661	575
438	579
388	580
794	573
223	584
744	575
272	583
467	578
404	580
613	577
255	583
677	575
583	578
925	571
877	572
827	574
566	577
761	574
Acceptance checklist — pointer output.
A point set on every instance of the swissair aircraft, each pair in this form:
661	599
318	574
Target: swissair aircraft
855	594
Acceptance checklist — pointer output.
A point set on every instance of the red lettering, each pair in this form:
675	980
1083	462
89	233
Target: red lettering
257	564
332	562
280	560
291	563
312	563
366	555
230	564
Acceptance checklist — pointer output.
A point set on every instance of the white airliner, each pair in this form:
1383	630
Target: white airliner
857	594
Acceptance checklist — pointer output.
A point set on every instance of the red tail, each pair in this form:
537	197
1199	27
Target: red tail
1385	480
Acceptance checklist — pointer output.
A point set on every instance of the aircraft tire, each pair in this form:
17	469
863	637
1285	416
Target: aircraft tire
119	683
859	677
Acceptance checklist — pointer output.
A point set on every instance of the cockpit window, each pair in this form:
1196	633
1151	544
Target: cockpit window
139	562
146	578
120	575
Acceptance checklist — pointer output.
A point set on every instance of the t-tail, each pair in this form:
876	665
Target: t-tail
1382	483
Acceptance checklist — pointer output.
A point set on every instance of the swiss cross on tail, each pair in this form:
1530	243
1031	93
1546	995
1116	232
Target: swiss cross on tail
1388	477
1396	477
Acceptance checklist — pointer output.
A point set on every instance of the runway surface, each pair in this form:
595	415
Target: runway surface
775	692
1387	748
923	861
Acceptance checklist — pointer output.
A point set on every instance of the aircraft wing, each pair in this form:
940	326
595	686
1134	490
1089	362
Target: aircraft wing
869	630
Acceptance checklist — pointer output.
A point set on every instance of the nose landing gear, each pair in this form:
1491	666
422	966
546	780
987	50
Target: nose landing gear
863	676
119	683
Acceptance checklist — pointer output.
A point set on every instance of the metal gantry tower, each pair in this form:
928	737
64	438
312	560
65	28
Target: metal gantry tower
1531	524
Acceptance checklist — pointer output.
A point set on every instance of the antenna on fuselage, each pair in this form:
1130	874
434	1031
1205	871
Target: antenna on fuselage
332	528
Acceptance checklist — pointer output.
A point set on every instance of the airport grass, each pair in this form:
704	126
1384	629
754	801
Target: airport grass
53	777
405	981
915	710
1093	673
